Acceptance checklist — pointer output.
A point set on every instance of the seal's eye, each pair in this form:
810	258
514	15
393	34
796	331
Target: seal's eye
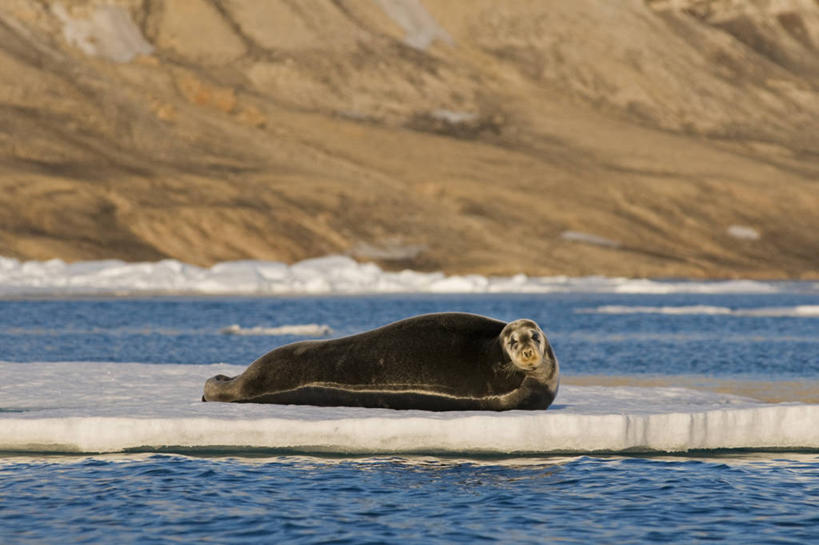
513	341
536	337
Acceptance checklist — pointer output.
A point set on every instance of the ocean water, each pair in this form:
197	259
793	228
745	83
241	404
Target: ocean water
170	498
231	494
588	333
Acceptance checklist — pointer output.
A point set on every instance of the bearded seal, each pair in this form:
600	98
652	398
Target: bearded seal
436	362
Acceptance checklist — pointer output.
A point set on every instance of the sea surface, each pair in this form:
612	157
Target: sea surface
700	340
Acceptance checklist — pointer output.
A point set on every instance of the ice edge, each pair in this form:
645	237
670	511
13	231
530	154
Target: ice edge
780	427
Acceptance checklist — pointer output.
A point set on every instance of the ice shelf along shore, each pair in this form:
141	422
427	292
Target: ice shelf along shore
326	275
95	407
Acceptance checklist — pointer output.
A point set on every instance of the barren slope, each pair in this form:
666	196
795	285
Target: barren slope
667	138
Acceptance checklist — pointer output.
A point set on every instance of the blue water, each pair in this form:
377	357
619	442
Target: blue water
187	330
169	498
733	497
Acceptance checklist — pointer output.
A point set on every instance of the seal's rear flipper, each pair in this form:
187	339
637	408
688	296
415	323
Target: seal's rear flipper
220	388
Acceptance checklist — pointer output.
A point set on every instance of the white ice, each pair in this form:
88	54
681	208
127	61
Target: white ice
327	275
112	407
798	311
305	330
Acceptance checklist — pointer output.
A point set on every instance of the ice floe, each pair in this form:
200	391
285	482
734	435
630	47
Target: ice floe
798	311
113	407
326	275
303	330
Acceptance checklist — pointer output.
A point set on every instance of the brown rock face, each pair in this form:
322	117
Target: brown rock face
656	138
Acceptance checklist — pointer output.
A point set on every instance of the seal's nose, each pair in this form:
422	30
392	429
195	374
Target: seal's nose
528	353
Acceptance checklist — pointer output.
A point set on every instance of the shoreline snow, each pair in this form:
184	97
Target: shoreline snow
320	276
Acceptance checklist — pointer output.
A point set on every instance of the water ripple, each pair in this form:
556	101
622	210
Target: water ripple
755	499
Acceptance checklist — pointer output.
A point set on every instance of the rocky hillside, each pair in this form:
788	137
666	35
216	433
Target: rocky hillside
631	137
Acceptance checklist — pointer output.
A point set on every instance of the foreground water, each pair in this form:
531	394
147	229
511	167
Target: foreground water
163	498
700	340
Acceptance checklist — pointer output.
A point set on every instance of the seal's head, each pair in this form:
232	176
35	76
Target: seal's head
526	345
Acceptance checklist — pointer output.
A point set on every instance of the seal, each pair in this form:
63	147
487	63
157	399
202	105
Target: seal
437	362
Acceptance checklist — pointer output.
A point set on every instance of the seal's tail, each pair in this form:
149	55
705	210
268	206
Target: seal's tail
219	388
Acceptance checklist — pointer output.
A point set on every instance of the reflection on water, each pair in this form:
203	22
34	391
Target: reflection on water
263	457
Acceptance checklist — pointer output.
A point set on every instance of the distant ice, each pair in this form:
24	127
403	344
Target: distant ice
306	330
112	407
799	311
326	275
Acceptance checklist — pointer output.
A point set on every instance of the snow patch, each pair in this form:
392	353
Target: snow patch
577	236
421	28
108	32
743	232
111	407
390	250
453	117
